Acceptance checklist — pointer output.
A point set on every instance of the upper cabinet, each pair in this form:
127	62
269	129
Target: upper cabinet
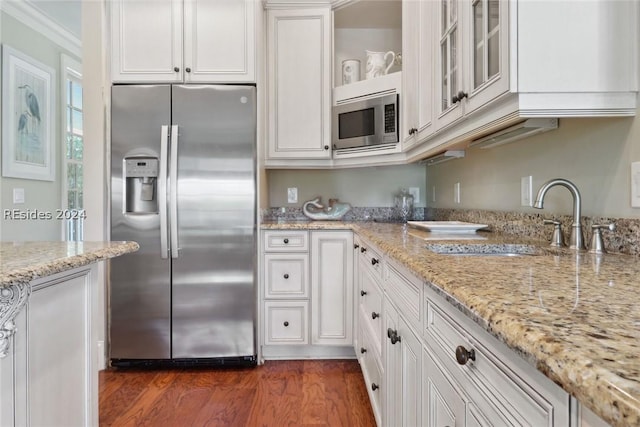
171	41
299	83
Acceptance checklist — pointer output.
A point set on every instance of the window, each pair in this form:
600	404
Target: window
72	203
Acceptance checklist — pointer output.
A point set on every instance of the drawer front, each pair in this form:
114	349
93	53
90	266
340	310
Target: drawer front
406	292
370	260
371	308
286	276
372	372
486	378
286	322
286	241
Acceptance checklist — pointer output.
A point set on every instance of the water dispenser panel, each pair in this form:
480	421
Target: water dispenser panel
141	174
141	167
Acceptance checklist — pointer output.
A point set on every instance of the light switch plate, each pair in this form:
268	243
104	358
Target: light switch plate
292	195
18	196
456	192
415	192
526	191
635	185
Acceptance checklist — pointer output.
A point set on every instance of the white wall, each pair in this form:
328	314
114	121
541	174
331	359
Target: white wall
361	187
595	154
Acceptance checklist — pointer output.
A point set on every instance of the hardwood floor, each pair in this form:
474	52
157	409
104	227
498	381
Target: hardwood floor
278	393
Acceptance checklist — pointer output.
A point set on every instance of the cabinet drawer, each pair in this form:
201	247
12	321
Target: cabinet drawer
491	384
370	260
371	308
372	372
406	292
286	241
286	322
286	275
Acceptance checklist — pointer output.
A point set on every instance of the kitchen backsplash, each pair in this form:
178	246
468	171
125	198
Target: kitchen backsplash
625	239
383	214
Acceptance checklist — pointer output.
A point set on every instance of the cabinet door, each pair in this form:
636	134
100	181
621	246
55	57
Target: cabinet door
146	41
486	51
442	403
392	367
299	83
332	287
448	62
219	41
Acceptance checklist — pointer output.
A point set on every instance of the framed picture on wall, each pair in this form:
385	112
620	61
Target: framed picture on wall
28	117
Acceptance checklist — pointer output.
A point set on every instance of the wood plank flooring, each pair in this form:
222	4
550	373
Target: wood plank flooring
278	393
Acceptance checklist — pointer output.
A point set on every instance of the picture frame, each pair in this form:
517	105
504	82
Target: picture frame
28	117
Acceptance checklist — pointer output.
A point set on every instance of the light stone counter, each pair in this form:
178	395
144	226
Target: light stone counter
576	318
25	261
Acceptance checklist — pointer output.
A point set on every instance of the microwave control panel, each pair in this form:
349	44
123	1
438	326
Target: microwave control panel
390	118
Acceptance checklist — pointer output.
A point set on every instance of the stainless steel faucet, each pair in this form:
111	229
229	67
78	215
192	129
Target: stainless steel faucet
576	240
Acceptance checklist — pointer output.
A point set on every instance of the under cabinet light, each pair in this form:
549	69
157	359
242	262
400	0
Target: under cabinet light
513	133
443	157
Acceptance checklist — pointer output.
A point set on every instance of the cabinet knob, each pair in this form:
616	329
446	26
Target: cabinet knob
176	69
356	246
286	241
363	350
363	293
286	276
459	97
374	315
326	147
393	336
374	261
188	70
363	250
413	131
286	323
463	355
374	386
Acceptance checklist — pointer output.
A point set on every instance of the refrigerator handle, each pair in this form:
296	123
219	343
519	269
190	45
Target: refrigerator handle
162	191
173	196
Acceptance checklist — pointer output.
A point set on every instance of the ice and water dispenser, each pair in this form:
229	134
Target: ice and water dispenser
141	188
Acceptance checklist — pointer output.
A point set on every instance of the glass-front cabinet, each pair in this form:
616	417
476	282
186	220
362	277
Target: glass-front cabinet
472	56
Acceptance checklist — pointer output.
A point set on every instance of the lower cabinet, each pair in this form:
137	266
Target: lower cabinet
307	294
50	376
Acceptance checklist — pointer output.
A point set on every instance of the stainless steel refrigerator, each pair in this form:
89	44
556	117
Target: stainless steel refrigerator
183	187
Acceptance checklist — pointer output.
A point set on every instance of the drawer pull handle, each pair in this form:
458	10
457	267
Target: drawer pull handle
363	250
393	336
286	241
374	386
374	261
286	276
356	246
363	293
463	355
286	324
363	350
374	315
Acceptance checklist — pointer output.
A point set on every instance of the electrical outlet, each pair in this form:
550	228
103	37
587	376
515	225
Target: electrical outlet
292	195
635	185
526	191
415	192
456	192
18	195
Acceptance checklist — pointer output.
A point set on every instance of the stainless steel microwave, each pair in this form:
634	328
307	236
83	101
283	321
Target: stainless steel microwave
366	122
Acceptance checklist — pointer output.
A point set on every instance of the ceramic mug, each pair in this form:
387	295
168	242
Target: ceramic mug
377	63
350	71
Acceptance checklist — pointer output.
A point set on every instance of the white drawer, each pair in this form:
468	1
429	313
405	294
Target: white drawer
405	291
286	275
370	260
286	241
371	308
373	374
286	322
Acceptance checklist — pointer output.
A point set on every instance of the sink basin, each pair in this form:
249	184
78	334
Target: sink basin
489	249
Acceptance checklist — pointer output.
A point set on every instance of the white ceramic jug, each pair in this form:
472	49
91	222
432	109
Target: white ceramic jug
377	63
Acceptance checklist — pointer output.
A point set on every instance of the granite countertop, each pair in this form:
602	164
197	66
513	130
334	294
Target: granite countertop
25	261
574	317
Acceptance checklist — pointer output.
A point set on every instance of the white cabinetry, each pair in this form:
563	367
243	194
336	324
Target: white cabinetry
307	294
332	287
195	41
50	376
299	83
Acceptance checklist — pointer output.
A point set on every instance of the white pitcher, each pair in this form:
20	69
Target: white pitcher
377	63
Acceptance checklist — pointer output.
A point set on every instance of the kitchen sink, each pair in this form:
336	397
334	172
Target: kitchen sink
488	249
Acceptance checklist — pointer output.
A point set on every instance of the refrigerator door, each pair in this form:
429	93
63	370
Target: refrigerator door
140	293
214	271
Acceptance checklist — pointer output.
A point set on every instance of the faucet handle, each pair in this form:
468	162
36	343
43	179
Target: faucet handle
597	244
557	240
